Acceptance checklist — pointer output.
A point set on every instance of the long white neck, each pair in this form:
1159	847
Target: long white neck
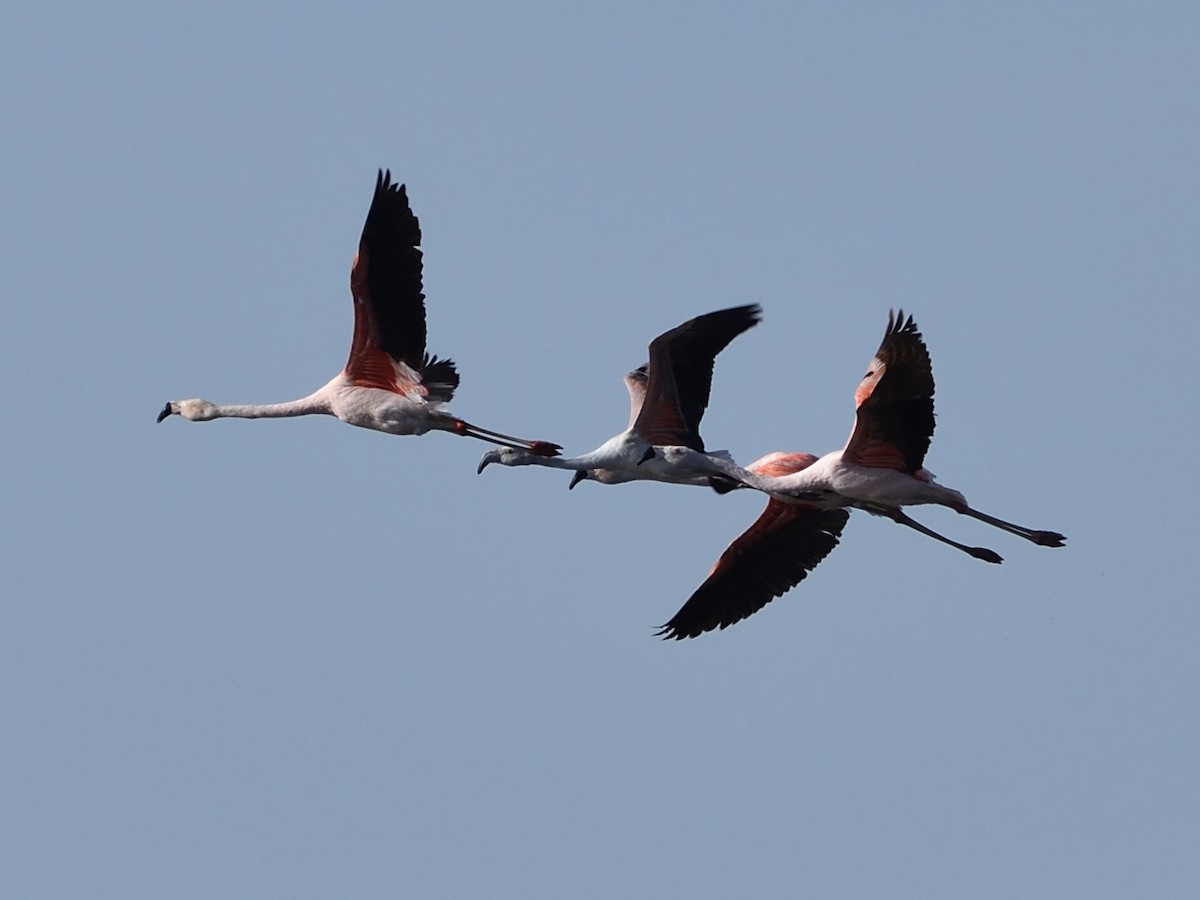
518	456
302	407
575	463
620	452
311	405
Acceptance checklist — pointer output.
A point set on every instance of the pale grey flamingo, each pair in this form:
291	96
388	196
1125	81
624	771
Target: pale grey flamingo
667	398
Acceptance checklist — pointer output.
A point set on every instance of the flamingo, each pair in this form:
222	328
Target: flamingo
667	399
390	383
880	470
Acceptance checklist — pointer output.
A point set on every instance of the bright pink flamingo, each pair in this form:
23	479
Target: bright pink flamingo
390	383
880	470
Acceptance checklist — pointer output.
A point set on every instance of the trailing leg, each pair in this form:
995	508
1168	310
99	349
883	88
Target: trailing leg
1041	538
900	517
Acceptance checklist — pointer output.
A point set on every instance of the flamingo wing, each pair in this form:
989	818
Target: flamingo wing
635	381
388	348
680	375
894	401
772	556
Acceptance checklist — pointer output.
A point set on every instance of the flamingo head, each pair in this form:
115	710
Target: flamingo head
506	456
194	410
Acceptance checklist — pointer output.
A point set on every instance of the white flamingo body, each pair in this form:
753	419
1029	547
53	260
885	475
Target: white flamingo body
880	470
657	468
667	399
389	383
834	482
382	410
372	408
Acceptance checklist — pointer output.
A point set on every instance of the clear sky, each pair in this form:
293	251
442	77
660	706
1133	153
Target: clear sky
298	659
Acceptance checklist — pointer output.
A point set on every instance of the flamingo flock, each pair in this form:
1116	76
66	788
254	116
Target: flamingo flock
390	383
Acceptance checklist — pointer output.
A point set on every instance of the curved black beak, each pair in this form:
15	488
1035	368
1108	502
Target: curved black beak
580	475
649	455
166	411
488	458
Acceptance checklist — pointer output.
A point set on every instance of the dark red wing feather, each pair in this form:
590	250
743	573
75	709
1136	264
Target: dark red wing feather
635	381
772	556
389	304
894	400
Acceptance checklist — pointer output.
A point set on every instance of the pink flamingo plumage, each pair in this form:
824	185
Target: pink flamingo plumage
390	383
880	470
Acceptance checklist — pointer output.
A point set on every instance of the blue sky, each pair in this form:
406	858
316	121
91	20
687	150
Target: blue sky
298	659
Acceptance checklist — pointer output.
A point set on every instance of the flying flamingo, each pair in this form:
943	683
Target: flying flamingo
667	399
880	470
390	383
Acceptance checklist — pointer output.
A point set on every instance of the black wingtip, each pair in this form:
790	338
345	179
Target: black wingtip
898	323
674	632
385	185
440	377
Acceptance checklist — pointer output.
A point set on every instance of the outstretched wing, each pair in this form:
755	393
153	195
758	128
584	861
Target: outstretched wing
894	422
680	375
388	348
772	556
